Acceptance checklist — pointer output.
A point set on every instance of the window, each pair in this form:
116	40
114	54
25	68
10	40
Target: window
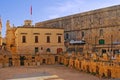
48	39
103	51
67	36
101	32
23	39
59	39
48	50
36	49
101	41
83	34
36	39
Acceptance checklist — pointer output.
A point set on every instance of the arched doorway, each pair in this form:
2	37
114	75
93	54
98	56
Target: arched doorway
60	60
22	58
44	61
48	50
80	65
103	75
97	70
109	73
56	58
59	50
88	69
10	61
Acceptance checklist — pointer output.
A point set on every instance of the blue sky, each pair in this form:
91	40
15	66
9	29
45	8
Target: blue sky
19	10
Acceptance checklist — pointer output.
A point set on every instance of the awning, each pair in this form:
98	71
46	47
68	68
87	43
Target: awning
116	42
77	42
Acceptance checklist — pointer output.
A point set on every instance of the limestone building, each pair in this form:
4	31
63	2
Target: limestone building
28	39
10	36
100	28
99	31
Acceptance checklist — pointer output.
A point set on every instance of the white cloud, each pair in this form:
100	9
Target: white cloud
62	9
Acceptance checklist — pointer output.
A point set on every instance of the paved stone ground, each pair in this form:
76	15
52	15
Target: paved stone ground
63	73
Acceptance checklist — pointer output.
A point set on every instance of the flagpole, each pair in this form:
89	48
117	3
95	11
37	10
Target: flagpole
31	12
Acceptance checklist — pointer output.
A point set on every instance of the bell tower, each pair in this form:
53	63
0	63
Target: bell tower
7	25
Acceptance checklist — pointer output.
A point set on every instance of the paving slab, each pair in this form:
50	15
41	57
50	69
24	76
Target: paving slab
44	72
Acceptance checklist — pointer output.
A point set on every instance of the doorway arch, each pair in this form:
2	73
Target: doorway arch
59	50
48	50
88	69
109	73
97	70
22	59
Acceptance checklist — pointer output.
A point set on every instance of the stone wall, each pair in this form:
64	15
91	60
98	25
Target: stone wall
27	60
101	66
90	23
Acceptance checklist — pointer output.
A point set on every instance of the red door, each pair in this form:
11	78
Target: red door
59	50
